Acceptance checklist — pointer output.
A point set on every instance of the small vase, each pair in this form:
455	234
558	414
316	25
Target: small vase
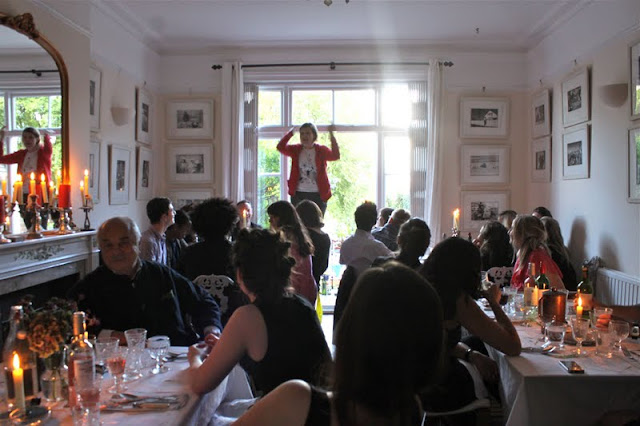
54	378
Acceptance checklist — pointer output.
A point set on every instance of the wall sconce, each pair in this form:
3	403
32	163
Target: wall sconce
614	95
121	115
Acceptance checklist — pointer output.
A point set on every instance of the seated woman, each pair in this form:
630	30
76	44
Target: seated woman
414	238
284	217
311	216
275	338
495	248
453	268
382	361
528	238
559	252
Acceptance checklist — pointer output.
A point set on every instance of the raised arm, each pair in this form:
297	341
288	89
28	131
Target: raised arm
335	149
283	146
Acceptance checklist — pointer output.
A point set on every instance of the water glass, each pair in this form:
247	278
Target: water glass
136	339
600	317
620	330
604	342
87	410
158	347
556	331
105	348
509	307
579	329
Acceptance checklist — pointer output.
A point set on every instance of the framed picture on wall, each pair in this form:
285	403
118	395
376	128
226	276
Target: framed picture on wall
480	207
94	168
190	119
95	88
190	163
485	164
144	173
634	87
181	198
634	165
575	153
576	98
541	160
484	117
119	165
541	114
144	114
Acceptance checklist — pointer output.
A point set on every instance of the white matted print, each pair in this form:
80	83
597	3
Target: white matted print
541	160
541	114
575	98
190	163
181	198
634	87
484	164
480	207
144	174
484	117
94	168
95	87
190	119
634	165
144	113
575	153
119	166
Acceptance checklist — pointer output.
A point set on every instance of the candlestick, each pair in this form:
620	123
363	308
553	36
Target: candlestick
86	183
32	184
579	308
18	382
4	187
43	188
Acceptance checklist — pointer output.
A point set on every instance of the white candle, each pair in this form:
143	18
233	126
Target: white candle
579	308
18	382
4	187
456	219
86	183
43	188
32	184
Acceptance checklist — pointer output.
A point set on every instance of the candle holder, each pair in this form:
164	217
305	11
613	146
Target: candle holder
65	224
87	206
33	211
455	232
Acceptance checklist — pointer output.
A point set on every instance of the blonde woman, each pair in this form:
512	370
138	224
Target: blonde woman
528	238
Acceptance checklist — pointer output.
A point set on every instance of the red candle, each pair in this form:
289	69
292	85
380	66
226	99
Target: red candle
64	196
2	212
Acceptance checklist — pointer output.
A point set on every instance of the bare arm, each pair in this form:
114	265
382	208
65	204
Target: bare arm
288	404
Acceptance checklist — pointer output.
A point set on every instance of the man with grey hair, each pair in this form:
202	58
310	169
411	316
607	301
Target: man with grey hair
129	292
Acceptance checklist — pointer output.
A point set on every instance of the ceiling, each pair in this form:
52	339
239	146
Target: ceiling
190	25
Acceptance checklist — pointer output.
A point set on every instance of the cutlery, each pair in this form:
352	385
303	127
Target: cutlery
539	349
627	353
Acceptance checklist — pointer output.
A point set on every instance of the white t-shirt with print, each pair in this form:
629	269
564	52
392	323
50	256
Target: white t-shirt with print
308	181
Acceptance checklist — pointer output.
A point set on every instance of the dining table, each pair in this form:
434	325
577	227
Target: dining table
221	406
537	390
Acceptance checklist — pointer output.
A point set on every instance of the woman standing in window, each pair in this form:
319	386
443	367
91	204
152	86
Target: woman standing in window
308	179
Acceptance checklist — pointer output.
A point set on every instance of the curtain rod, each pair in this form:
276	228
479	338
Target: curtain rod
36	72
332	65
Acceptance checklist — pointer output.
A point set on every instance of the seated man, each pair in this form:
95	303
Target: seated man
388	234
153	243
128	292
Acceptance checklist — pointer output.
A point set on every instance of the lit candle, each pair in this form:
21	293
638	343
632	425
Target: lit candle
58	181
52	191
18	382
456	219
2	211
43	188
82	187
4	187
86	183
244	218
32	184
17	190
579	307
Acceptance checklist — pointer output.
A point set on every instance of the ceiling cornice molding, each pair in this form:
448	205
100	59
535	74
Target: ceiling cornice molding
556	17
74	25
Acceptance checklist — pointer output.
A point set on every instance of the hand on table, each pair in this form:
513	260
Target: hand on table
197	352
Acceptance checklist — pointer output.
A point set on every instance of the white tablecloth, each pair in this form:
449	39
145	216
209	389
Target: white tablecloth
536	390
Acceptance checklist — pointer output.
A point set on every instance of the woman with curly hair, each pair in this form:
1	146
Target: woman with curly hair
275	338
283	217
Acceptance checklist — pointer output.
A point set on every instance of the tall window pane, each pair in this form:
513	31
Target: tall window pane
268	178
395	106
31	111
313	106
355	106
396	172
270	108
2	114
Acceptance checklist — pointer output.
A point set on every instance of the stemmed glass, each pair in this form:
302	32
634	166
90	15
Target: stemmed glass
579	328
621	331
116	363
105	347
158	347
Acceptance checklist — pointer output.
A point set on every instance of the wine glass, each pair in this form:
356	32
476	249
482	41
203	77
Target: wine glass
105	347
620	329
579	328
116	363
158	347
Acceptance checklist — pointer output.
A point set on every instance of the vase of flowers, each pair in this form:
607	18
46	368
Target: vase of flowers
48	330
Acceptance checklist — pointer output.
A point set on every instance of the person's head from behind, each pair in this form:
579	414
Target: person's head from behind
30	138
527	233
244	208
494	234
453	268
506	218
214	218
180	228
400	216
262	263
414	237
308	134
366	215
383	218
310	214
541	212
160	211
282	214
385	380
118	240
554	234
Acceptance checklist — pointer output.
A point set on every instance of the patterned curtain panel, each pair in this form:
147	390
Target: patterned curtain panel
251	143
418	140
232	178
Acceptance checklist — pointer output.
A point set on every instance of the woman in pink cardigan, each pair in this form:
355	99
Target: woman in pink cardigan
308	179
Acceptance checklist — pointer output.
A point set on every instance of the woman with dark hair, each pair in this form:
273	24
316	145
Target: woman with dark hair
283	217
311	217
212	221
275	338
559	252
495	248
453	268
382	361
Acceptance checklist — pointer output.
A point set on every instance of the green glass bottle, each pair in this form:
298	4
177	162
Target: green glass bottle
541	280
585	289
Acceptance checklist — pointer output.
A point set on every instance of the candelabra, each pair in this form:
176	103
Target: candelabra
87	206
65	223
455	232
33	212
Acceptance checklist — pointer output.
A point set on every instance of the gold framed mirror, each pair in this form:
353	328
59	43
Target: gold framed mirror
25	25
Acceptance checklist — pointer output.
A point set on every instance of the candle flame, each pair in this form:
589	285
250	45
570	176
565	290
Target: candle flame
244	214
86	172
51	184
81	185
19	178
33	176
16	361
42	179
456	213
580	301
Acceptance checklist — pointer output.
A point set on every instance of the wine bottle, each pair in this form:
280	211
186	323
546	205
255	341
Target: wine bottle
541	280
17	343
530	286
81	358
585	289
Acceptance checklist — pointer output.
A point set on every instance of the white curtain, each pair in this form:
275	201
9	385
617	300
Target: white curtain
232	183
433	198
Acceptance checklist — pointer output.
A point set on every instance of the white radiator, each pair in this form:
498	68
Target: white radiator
616	288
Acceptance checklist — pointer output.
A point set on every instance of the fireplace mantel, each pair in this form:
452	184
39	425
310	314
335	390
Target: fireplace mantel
29	263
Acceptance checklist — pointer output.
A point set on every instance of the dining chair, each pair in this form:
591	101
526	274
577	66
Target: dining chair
500	275
217	286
